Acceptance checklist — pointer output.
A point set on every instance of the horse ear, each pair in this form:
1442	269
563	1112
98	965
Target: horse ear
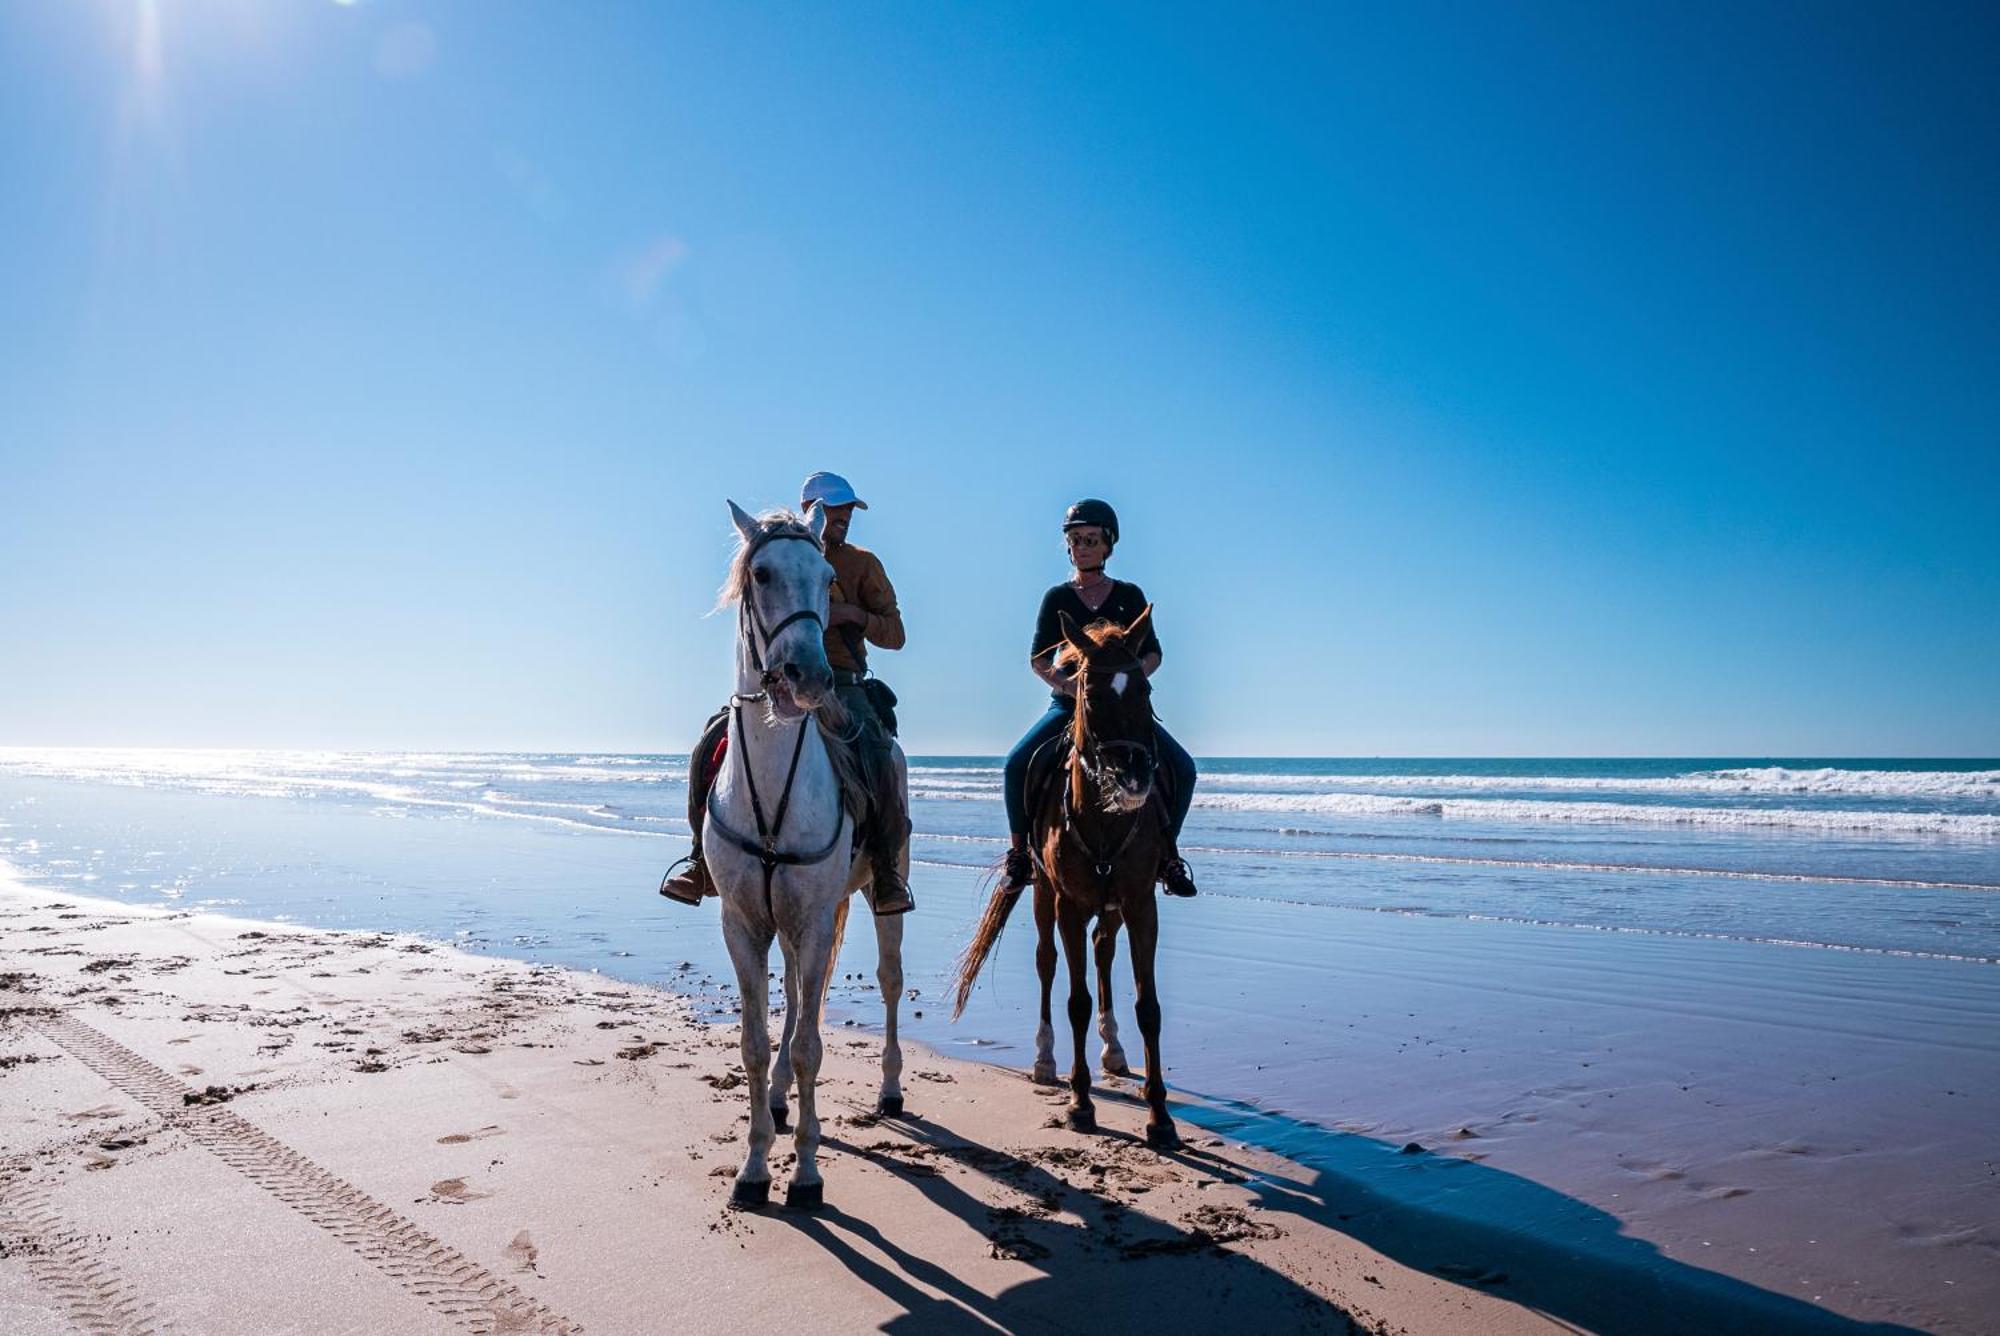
816	523
1135	634
744	524
1077	640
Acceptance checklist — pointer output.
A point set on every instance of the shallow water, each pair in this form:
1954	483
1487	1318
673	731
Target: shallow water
1873	855
1712	1029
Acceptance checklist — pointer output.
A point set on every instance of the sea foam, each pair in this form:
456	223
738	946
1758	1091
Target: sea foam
1501	810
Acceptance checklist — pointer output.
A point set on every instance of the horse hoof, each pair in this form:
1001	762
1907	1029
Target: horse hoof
805	1196
889	1106
1045	1073
1120	1070
1081	1118
781	1115
1163	1137
750	1196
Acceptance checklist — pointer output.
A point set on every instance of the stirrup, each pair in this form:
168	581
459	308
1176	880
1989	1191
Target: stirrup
690	887
1175	878
890	906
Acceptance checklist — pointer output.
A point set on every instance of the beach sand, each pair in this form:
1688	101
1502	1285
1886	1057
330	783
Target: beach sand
210	1125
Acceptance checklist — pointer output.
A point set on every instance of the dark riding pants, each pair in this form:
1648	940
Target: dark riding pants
889	824
1174	759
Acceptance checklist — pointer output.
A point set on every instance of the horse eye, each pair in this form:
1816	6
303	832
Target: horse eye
761	576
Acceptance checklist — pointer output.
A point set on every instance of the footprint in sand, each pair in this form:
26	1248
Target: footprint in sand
454	1190
460	1138
101	1111
522	1253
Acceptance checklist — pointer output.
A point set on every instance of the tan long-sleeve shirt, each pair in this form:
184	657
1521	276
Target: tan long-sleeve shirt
858	578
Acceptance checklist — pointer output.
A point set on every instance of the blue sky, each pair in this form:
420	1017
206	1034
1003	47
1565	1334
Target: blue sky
1544	379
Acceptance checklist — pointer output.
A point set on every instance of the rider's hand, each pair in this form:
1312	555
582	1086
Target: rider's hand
848	614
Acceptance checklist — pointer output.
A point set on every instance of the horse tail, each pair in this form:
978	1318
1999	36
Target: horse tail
833	952
974	956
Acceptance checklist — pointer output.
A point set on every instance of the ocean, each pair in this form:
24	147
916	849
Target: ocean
1860	854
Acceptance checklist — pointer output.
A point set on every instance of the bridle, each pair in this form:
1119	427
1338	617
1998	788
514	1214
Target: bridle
1090	758
755	620
764	848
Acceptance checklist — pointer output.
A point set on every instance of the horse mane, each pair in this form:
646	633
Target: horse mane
1100	633
770	525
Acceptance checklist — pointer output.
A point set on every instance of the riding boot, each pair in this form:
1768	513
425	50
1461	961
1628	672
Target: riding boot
693	882
889	832
892	893
1019	869
1174	875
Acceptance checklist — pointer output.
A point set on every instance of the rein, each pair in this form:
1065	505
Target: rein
764	848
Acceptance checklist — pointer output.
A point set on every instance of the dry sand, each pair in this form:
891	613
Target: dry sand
210	1125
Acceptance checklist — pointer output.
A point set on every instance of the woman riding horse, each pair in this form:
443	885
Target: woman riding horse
1090	531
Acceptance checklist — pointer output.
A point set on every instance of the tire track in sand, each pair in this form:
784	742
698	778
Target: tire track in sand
434	1272
98	1299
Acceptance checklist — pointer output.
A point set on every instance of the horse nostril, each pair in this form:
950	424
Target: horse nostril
792	673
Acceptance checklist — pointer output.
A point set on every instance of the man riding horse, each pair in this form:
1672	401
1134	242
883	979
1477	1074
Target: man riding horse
863	612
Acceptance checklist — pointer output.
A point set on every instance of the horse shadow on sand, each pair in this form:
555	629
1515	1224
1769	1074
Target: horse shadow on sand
1512	1236
1101	1263
1102	1257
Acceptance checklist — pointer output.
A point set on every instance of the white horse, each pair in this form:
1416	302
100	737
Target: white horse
779	842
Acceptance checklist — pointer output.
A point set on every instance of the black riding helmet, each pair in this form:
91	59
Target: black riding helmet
1091	511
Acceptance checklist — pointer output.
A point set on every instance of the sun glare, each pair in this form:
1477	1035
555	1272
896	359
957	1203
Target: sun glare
148	60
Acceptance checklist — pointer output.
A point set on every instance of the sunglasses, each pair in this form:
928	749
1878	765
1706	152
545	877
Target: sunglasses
1083	540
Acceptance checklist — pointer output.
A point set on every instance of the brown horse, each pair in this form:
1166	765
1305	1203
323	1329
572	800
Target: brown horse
1097	838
